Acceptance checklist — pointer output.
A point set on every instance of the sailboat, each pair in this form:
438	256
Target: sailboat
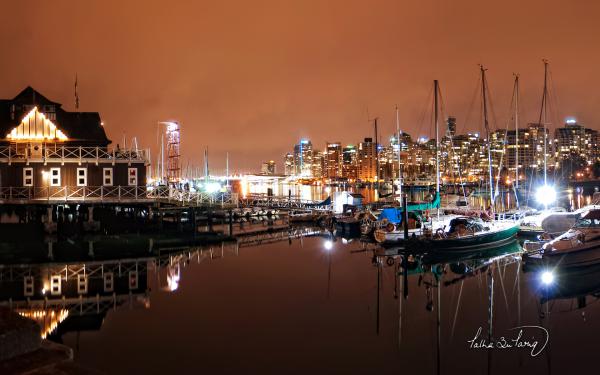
462	233
390	226
545	194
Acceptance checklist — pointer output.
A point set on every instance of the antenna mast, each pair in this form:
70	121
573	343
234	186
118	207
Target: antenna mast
76	94
399	153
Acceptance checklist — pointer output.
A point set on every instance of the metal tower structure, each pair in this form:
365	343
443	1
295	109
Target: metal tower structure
173	139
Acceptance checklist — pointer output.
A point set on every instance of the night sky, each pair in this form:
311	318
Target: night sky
252	77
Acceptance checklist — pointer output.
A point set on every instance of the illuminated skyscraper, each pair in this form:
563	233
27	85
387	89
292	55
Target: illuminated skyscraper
349	162
333	159
289	166
575	140
268	168
303	154
366	160
318	164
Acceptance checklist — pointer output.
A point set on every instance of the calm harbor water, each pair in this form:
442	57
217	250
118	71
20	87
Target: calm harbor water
571	198
304	301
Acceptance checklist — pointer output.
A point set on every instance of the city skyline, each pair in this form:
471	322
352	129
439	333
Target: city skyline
571	149
269	78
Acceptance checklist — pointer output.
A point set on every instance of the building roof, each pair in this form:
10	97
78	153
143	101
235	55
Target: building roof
80	127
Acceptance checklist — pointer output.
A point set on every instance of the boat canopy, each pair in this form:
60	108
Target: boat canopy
394	214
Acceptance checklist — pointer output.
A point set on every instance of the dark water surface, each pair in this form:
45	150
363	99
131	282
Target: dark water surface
299	307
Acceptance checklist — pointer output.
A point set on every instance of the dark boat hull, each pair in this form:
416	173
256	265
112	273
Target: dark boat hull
488	240
484	241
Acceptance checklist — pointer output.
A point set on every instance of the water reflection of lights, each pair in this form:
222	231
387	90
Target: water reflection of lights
48	320
173	277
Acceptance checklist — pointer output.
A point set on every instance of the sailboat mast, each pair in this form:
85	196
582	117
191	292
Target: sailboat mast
399	153
516	131
487	130
437	137
376	156
543	117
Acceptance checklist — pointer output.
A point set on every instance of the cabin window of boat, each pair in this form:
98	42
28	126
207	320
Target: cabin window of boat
27	176
107	176
588	223
132	176
54	176
81	176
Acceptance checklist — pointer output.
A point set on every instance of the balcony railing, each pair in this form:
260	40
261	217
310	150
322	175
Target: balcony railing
73	193
184	197
48	152
59	194
170	195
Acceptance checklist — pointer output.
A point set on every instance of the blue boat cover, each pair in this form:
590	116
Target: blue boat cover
394	214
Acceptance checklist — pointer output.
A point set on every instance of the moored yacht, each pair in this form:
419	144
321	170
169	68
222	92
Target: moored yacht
579	246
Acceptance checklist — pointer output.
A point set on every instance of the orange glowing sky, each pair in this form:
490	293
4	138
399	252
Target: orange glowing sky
252	77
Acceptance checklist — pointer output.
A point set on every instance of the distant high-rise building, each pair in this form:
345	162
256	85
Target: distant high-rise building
366	160
533	142
268	168
318	164
451	126
349	162
333	160
289	166
303	154
575	140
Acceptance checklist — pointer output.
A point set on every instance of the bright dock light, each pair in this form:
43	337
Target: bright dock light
546	195
328	245
547	277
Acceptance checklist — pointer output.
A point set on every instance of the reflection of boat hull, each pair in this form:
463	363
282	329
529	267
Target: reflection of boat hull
570	282
349	227
300	218
435	257
584	256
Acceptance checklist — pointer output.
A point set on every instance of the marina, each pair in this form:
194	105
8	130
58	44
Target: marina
330	187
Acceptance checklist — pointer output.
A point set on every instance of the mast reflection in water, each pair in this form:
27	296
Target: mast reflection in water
298	301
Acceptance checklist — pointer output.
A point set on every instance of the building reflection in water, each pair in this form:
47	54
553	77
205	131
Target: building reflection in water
72	292
73	296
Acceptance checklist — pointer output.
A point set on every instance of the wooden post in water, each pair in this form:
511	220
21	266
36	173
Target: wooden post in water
209	218
230	222
194	225
405	217
405	275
